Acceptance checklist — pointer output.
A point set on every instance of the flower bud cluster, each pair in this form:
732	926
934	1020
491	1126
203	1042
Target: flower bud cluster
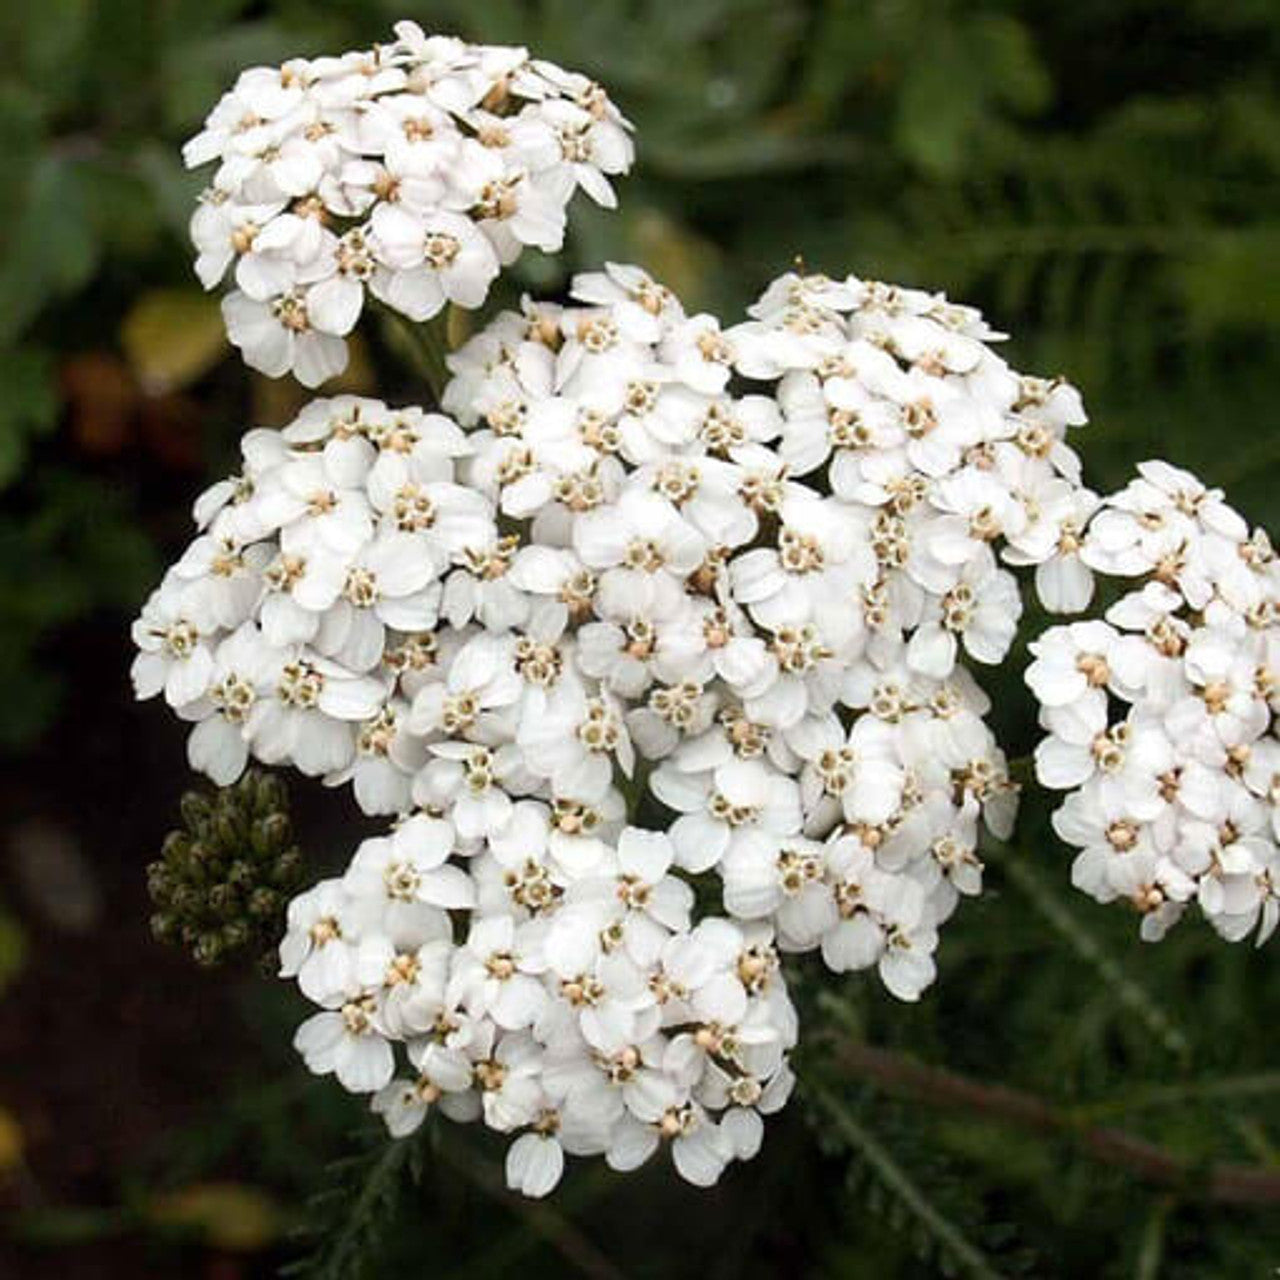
222	883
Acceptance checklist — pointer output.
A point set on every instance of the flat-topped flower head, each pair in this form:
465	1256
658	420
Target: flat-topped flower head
655	648
409	173
1161	719
664	613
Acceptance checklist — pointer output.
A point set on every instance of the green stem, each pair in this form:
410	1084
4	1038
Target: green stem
1046	901
1173	1095
1151	1254
898	1181
543	1220
425	346
1226	1183
1256	1140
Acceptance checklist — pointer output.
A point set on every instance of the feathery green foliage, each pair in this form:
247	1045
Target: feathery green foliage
1104	179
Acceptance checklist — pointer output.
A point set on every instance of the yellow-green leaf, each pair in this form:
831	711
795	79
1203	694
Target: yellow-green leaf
228	1215
172	337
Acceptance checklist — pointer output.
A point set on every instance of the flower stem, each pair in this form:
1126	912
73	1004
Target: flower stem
896	1178
1046	902
424	346
896	1073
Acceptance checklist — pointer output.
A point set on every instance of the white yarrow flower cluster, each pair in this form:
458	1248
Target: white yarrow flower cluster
295	626
576	1008
780	665
1161	718
657	611
413	172
594	600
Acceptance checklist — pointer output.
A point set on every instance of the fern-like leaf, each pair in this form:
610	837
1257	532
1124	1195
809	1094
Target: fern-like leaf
348	1216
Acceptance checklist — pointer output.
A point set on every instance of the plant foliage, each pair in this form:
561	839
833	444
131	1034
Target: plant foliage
1104	179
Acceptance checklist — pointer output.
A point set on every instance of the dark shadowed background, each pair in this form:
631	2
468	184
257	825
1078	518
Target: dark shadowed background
1102	177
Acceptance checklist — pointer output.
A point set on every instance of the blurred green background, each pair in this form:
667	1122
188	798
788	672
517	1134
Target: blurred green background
1102	177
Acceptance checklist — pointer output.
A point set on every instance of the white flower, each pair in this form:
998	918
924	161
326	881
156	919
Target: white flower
409	980
494	973
1081	661
174	658
979	507
535	1162
473	784
822	558
319	945
403	882
444	1081
242	668
765	876
1168	805
279	335
221	580
386	758
1053	538
981	611
347	1043
642	548
224	232
700	354
387	583
720	807
435	258
305	716
858	776
1134	757
576	742
475	698
315	503
612	581
398	147
591	146
510	1079
906	966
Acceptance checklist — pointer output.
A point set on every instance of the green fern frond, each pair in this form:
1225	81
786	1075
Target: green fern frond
347	1218
1047	901
891	1192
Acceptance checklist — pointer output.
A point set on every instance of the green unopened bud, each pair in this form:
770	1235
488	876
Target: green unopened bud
176	847
196	811
224	901
231	829
185	900
273	796
287	870
271	835
208	949
202	862
222	884
242	874
264	903
236	935
164	927
159	880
